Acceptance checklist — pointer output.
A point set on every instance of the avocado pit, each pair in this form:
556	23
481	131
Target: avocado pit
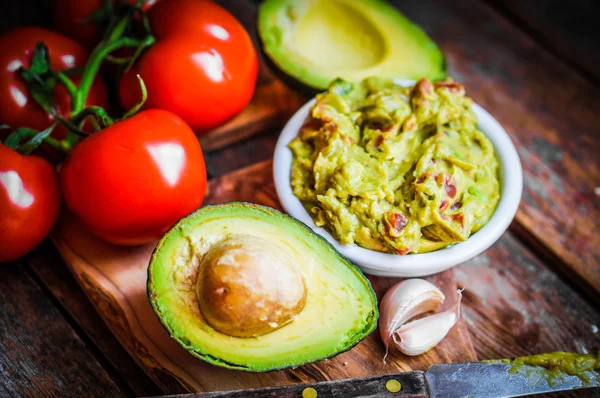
249	287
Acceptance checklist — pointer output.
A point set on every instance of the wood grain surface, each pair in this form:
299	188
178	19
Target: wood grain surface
40	355
114	278
49	269
529	64
568	29
549	110
272	105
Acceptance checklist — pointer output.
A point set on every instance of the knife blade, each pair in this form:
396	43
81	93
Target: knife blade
499	380
455	380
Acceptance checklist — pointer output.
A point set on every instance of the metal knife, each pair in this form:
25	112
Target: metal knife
455	380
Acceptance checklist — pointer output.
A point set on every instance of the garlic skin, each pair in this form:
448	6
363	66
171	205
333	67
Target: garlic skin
405	300
419	336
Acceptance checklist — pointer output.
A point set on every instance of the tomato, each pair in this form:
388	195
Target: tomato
202	68
130	182
17	107
71	19
29	202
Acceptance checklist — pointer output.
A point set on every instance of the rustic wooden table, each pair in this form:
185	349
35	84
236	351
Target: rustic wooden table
533	65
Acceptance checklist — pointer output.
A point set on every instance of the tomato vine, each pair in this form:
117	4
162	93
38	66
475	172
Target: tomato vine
41	80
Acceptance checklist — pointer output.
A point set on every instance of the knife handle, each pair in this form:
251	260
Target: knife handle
412	386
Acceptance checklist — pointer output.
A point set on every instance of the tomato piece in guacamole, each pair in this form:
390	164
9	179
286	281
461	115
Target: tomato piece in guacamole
395	169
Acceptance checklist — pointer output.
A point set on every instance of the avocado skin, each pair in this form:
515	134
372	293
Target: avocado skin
300	81
306	91
372	324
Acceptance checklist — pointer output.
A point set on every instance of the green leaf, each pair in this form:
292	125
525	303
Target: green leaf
40	63
35	141
13	140
39	78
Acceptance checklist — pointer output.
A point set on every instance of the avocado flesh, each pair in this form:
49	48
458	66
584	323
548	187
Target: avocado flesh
340	308
317	41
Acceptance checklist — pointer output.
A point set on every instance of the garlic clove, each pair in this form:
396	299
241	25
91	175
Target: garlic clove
404	301
419	336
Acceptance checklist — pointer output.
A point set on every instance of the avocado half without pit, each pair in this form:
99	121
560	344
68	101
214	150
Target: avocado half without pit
246	287
313	42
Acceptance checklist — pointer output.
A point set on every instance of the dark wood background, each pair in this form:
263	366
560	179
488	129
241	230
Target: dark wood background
533	65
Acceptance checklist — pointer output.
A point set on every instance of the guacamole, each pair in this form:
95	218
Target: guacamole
558	364
395	169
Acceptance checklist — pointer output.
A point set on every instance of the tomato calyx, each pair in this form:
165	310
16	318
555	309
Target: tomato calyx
41	81
25	140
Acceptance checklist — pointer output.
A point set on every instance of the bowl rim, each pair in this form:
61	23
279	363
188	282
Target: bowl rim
418	264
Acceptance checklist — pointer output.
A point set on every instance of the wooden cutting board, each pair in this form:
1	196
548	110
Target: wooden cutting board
114	278
271	106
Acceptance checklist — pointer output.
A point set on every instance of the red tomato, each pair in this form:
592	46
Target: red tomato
29	202
71	19
17	107
202	68
130	182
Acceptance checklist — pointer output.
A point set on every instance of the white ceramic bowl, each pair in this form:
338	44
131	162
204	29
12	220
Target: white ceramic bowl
411	265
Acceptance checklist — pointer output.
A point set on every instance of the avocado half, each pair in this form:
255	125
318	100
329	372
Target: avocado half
316	41
246	287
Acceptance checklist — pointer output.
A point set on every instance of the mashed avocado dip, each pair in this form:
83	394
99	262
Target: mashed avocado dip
395	169
558	364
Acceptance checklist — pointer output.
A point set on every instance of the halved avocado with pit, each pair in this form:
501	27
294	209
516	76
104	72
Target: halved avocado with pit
246	287
316	41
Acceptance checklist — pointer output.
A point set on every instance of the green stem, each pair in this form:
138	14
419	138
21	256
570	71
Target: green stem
145	43
96	111
62	147
93	65
138	106
118	60
94	123
68	83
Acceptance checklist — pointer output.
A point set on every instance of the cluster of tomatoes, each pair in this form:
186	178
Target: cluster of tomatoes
132	179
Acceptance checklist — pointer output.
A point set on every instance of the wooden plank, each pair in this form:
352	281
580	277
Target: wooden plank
47	265
271	107
40	355
568	29
242	154
550	112
516	305
114	278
